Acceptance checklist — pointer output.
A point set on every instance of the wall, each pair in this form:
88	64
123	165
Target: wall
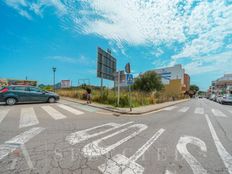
174	87
171	73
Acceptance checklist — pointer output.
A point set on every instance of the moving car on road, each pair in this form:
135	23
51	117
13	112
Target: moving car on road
18	94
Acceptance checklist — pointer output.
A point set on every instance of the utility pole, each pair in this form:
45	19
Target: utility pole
54	78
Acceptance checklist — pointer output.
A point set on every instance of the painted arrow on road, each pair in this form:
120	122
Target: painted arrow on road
120	164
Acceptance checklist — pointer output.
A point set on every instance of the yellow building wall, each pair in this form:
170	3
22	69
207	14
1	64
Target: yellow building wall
174	87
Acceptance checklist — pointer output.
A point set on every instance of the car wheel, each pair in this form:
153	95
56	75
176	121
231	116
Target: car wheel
51	100
10	101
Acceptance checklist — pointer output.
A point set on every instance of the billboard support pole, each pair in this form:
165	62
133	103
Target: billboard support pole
118	88
102	79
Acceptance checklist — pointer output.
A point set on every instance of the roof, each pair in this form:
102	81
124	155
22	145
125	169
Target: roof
226	77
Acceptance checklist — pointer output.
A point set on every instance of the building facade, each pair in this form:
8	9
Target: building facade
174	78
221	85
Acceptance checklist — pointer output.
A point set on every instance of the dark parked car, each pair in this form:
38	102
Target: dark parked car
15	94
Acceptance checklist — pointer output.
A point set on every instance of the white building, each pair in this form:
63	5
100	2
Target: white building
171	73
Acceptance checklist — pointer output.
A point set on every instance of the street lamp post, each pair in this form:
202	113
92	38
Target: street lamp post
54	78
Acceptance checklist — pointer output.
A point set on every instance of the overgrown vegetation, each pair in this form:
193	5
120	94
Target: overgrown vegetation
147	89
109	97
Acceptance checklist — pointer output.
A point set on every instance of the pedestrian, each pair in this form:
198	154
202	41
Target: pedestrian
88	95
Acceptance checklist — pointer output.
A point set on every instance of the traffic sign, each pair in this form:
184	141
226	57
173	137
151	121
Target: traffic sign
129	79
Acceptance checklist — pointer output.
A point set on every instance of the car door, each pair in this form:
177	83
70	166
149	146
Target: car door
37	95
21	93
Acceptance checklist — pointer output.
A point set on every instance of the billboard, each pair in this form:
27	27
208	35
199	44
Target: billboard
65	83
106	65
3	82
6	82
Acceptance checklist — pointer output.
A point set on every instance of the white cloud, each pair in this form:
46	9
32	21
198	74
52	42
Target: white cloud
221	63
212	23
130	21
201	26
27	8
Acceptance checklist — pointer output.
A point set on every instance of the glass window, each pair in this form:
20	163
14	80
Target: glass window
34	89
19	88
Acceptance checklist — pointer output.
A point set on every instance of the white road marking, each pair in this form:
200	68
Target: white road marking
72	110
28	118
93	149
3	114
230	111
218	113
199	111
182	149
169	172
120	164
16	142
169	108
53	112
225	156
184	109
83	135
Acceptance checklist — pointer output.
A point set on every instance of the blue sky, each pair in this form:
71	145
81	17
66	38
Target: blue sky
36	35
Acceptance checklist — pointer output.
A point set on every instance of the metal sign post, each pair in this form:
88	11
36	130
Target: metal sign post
129	80
118	88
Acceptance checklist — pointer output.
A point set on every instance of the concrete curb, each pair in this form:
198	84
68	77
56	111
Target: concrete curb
126	112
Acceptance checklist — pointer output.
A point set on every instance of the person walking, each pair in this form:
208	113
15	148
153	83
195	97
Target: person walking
88	95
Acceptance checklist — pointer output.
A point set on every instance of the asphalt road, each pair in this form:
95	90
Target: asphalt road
191	137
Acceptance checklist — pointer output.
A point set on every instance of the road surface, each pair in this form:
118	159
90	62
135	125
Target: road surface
65	137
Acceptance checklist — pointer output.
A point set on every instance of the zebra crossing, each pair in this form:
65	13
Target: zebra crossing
14	143
198	110
29	117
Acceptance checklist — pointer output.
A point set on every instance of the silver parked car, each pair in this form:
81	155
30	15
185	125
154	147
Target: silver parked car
226	99
219	98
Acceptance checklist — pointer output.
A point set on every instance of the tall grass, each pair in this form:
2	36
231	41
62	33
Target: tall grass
109	97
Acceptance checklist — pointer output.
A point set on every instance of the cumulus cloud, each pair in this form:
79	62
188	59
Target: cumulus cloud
28	8
202	27
221	62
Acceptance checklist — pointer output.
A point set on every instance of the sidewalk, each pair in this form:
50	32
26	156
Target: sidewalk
135	111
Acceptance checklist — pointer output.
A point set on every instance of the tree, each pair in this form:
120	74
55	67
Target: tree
194	88
148	82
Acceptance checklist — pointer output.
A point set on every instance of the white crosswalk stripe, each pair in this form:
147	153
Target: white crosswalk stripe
16	142
53	112
199	111
72	110
184	109
3	114
169	108
218	113
28	118
230	111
